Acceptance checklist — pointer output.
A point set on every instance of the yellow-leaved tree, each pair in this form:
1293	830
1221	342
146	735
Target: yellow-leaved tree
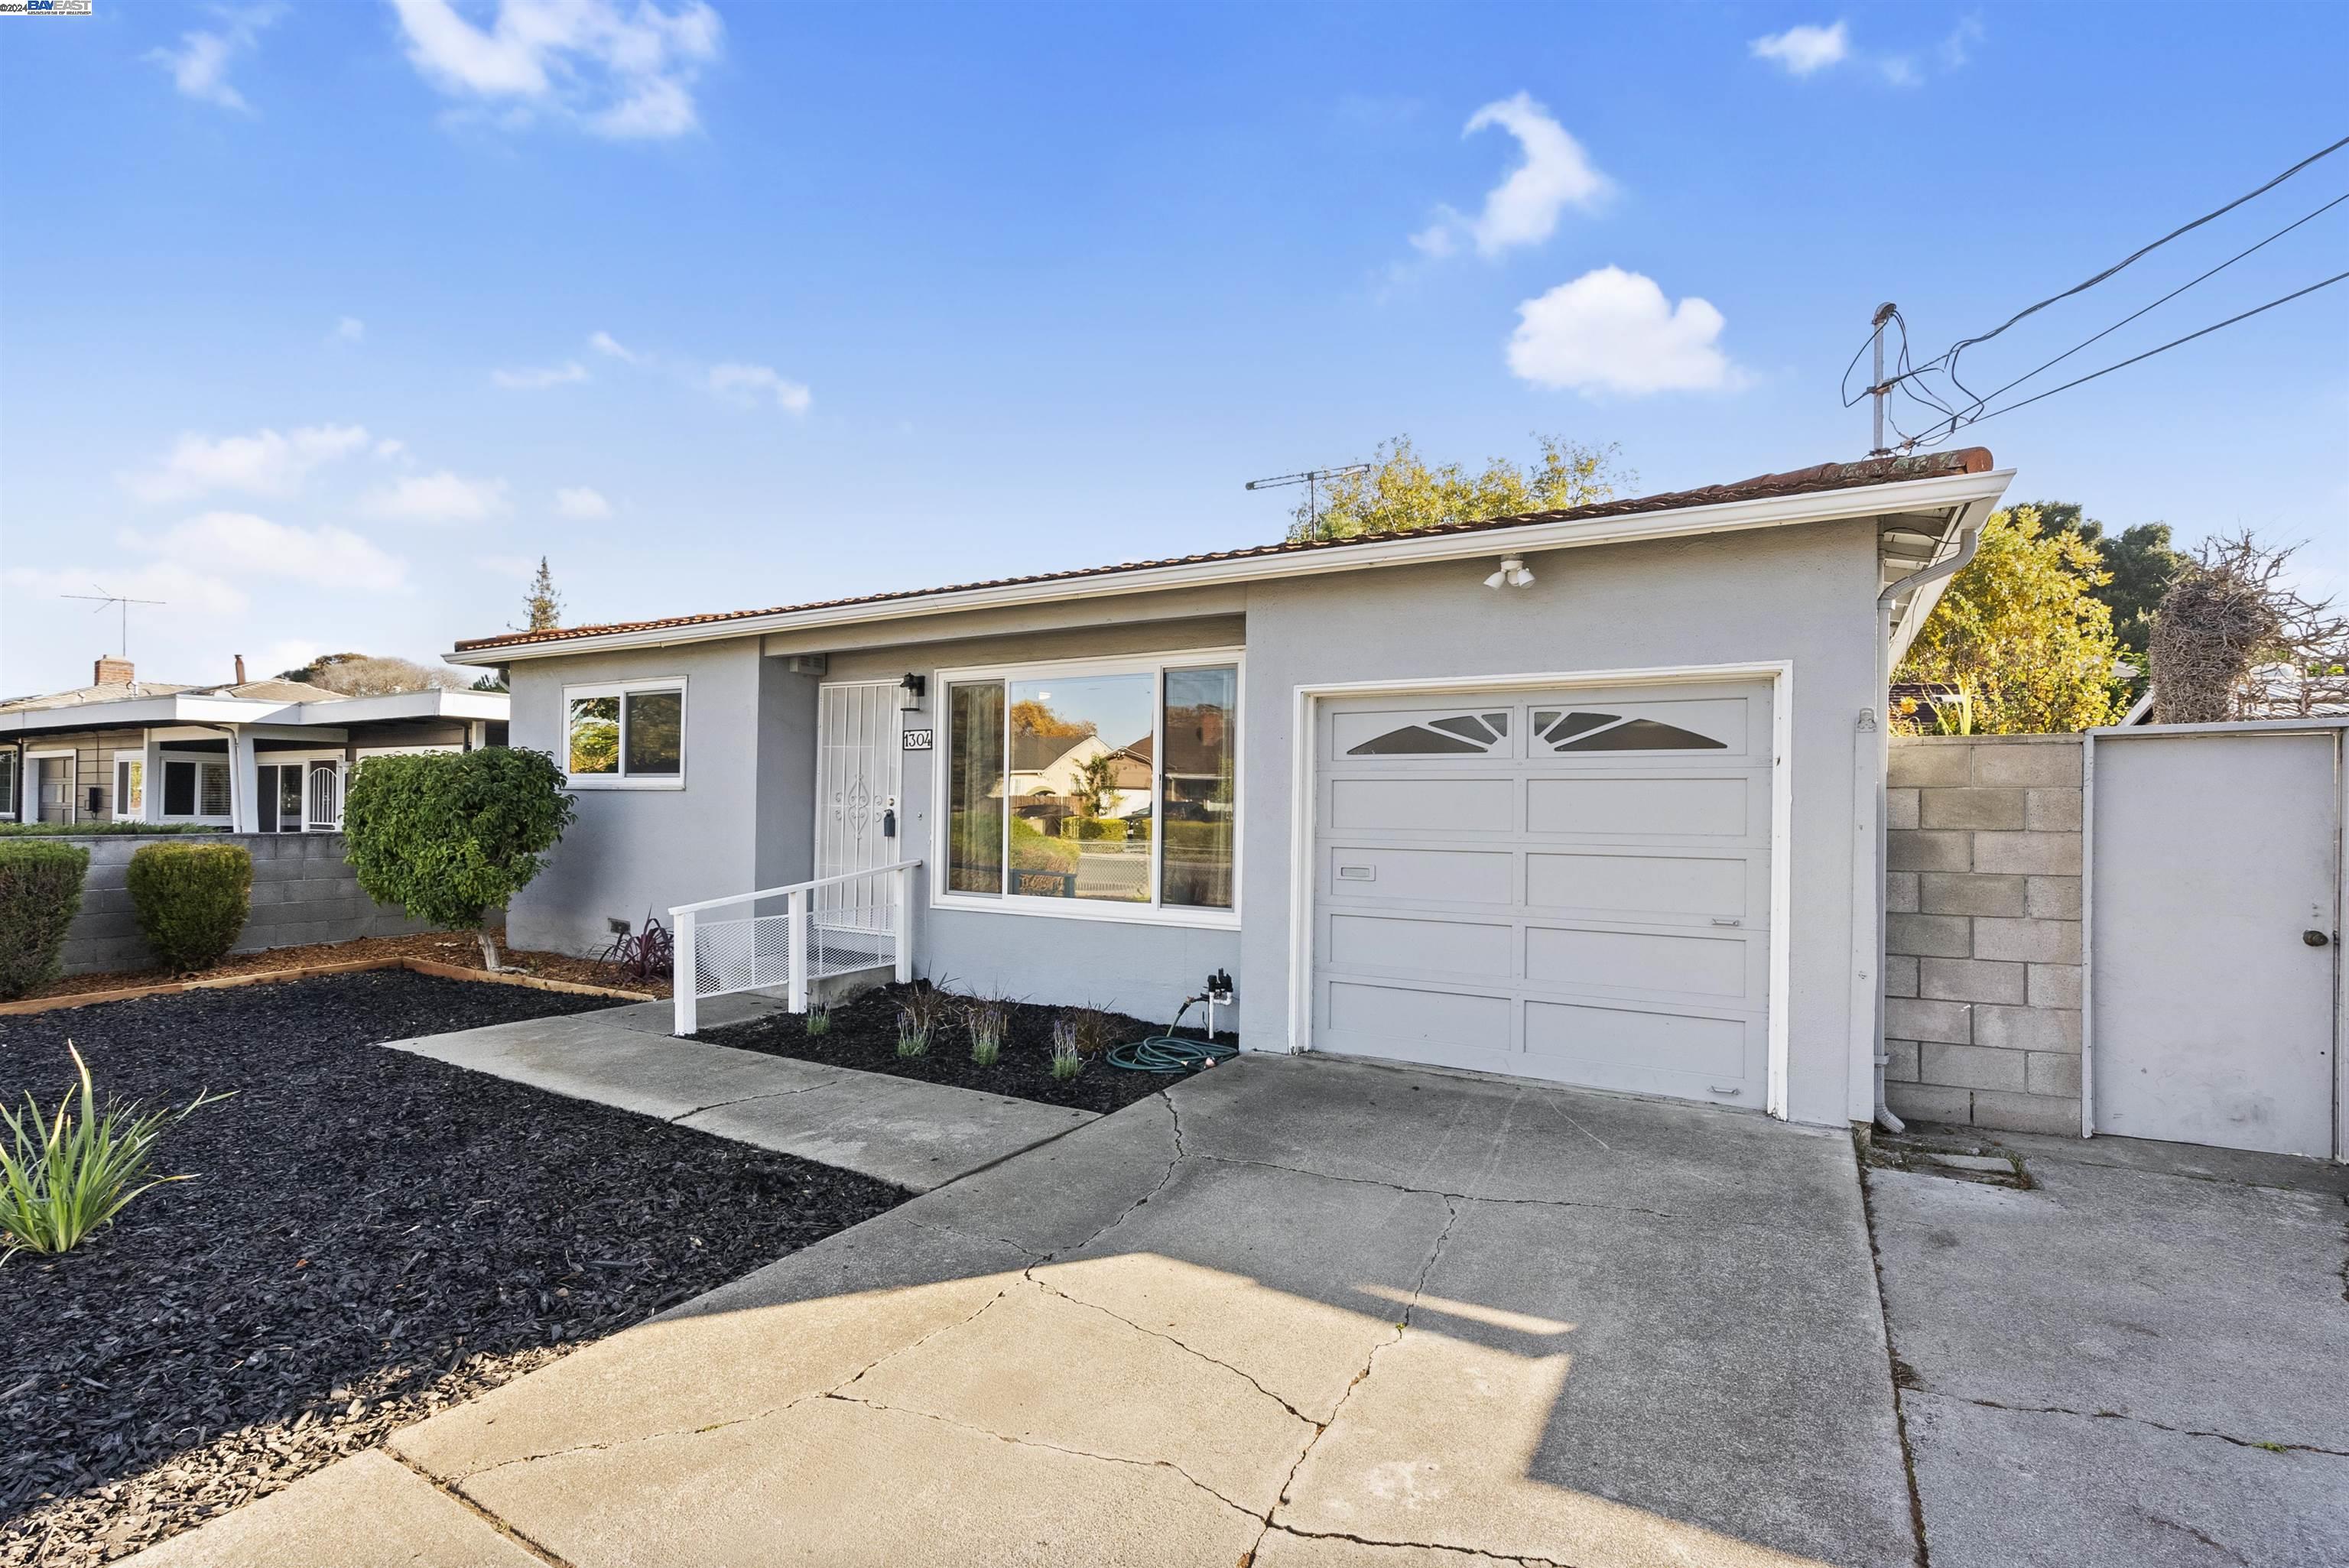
1400	493
2020	634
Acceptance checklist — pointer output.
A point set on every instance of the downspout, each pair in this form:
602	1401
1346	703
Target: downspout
1968	541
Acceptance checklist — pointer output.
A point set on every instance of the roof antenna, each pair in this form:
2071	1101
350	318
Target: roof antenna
1877	389
1311	479
105	598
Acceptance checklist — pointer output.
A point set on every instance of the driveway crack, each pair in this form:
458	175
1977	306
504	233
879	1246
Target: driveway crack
1418	1288
747	1098
1049	1447
1478	1197
1179	1345
1423	1546
2271	1446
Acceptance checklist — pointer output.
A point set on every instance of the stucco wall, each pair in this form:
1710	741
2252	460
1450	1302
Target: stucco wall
302	891
1982	969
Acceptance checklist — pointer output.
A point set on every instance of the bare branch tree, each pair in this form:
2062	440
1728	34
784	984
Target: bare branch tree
2234	639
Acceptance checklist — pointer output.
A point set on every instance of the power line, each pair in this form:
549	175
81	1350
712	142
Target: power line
1956	422
2174	343
1946	362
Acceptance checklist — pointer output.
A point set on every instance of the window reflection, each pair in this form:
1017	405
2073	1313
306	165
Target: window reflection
1199	785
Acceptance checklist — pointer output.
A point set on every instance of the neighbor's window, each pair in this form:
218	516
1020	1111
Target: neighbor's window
630	733
194	788
7	783
1111	788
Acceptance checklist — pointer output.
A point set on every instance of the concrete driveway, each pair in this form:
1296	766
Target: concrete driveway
1297	1312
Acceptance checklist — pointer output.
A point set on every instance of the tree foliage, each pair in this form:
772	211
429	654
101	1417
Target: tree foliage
541	605
191	900
1400	493
453	835
2022	633
2140	562
376	675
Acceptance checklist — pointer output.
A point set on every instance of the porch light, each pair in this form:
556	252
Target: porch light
910	692
1513	574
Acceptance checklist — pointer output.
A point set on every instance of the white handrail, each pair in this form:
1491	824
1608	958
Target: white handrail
794	887
741	939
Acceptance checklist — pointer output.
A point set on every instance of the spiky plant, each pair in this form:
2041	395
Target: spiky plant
819	1018
63	1176
987	1020
1068	1058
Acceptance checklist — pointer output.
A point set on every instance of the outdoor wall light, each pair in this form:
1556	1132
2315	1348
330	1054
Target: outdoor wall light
1513	574
910	692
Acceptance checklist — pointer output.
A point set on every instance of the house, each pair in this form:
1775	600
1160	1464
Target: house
1592	796
267	756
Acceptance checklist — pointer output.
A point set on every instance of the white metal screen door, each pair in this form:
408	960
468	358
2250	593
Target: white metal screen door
856	803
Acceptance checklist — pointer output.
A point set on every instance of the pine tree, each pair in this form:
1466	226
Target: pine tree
543	603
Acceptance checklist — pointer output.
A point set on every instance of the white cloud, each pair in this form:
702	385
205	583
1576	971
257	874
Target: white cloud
541	377
178	587
1899	70
750	385
263	463
1804	49
199	66
293	653
388	448
581	501
604	343
443	497
1524	208
349	329
625	71
1958	48
1613	331
244	545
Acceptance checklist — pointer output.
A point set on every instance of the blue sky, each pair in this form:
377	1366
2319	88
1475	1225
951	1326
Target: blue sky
323	322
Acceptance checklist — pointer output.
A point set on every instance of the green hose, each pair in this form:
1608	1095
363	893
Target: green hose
1170	1053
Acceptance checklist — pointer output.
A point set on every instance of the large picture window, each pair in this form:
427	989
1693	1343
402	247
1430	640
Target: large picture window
628	734
1110	789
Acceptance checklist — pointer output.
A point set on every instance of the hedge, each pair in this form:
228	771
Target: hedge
191	900
101	829
41	892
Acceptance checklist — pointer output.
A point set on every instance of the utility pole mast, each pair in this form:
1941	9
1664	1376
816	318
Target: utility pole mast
1876	390
105	598
1311	478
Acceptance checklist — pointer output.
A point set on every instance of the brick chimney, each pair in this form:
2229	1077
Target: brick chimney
240	669
112	671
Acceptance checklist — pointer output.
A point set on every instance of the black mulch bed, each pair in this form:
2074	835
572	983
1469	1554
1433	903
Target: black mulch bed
372	1236
864	1034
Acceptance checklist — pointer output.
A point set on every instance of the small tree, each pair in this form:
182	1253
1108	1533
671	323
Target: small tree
541	604
2234	639
2022	634
1096	783
453	835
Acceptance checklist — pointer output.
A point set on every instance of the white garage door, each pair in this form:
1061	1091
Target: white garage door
1571	885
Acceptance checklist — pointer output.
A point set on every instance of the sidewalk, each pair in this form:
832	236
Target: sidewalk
917	1135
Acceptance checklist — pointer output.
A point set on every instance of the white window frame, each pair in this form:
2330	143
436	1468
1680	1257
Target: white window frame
1154	666
199	760
621	780
32	767
123	762
303	760
13	810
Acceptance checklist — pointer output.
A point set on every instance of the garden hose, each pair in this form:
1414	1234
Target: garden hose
1170	1053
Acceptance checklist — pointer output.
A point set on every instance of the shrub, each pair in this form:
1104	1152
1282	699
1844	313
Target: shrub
62	1177
920	1014
1094	1030
1093	829
819	1018
987	1020
191	900
453	835
40	892
103	830
1068	1061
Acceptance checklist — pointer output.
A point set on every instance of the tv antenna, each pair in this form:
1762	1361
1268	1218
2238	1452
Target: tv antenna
1311	478
124	600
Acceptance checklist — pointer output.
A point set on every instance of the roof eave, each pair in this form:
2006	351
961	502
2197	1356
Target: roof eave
1958	489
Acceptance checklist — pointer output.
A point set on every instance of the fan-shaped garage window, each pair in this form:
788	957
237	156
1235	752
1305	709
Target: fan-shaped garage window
1460	735
1558	728
1634	735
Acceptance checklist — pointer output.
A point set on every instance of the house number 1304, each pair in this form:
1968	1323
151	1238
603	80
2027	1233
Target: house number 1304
917	740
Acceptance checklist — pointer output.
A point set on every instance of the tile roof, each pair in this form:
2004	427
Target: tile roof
1821	477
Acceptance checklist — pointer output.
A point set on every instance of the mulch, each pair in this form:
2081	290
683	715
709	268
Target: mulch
439	946
864	1034
371	1236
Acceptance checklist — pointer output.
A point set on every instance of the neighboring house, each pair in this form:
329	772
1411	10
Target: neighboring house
267	756
1609	815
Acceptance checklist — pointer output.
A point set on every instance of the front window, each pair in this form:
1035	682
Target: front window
130	789
631	733
1113	788
194	786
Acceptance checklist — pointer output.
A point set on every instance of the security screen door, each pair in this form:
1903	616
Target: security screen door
1570	884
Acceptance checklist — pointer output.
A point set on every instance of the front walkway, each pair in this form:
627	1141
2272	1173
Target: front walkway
917	1135
1295	1312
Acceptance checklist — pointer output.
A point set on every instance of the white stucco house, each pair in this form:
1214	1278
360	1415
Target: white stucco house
1589	796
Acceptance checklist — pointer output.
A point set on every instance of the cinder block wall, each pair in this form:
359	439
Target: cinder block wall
302	891
1982	967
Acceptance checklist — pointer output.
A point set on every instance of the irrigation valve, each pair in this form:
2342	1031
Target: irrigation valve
1218	993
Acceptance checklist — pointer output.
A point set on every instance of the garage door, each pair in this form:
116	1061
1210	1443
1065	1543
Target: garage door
1571	885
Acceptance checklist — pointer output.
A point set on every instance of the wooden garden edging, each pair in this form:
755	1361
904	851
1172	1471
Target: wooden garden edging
310	970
